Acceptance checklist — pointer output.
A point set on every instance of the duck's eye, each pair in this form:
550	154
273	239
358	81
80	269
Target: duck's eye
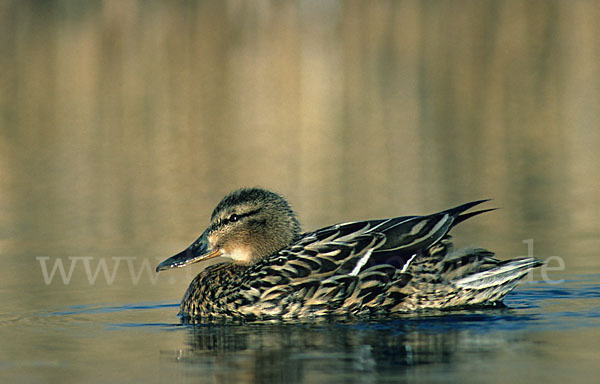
233	218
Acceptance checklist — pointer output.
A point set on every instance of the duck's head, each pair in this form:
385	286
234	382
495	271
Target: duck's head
246	226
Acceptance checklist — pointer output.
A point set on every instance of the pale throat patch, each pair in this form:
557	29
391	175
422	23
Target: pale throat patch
241	255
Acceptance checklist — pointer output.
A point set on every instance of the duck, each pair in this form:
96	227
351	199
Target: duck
273	270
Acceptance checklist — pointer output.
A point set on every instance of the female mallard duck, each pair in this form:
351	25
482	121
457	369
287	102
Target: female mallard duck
359	268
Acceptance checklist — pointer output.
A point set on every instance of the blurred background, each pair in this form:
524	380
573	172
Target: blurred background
123	123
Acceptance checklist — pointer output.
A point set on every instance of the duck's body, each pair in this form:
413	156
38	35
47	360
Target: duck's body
360	268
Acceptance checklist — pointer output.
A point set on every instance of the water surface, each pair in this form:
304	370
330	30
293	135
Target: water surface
544	333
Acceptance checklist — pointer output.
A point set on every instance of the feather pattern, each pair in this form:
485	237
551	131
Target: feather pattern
358	268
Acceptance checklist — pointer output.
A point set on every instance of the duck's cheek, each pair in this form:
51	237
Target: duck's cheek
212	241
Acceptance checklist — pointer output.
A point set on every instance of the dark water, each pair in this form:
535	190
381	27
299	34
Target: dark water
545	333
123	123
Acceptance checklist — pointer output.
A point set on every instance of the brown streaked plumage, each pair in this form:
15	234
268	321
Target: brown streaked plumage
361	268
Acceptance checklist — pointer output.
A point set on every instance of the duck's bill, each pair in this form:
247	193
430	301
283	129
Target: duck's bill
199	251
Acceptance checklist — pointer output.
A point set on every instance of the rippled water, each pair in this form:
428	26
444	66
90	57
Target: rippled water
547	332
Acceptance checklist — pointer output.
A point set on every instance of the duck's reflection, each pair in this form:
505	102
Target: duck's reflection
263	353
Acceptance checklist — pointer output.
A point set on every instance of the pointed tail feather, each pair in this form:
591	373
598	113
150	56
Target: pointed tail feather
460	218
505	273
464	207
